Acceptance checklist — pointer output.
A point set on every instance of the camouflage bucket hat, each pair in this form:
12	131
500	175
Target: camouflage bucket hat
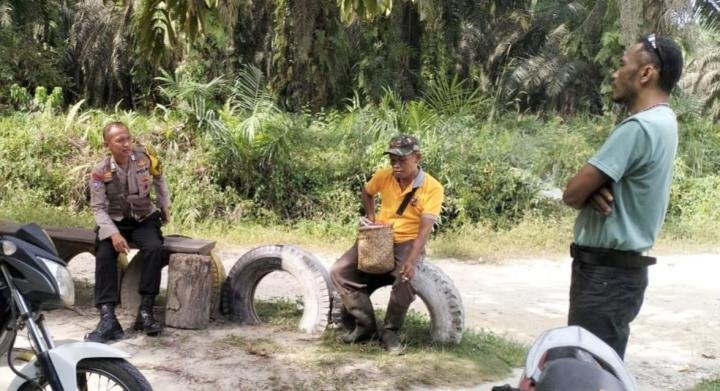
403	145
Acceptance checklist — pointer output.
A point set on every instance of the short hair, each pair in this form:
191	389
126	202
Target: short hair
667	56
111	125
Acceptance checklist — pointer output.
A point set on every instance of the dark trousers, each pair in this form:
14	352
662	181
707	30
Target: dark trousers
147	237
347	278
604	300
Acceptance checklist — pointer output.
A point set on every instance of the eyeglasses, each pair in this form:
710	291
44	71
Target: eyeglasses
651	40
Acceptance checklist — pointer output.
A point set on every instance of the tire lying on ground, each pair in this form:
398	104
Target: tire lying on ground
239	288
441	297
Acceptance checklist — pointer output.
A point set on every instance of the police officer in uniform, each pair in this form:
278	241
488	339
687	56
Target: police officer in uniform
124	212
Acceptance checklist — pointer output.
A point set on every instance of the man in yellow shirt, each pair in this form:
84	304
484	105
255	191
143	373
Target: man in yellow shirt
404	179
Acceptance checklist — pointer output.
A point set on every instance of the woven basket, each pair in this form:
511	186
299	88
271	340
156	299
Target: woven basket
375	249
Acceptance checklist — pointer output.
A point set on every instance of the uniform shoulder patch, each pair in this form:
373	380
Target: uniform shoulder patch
155	165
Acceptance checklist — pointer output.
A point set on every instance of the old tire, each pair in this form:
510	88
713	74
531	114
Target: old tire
441	297
239	288
218	278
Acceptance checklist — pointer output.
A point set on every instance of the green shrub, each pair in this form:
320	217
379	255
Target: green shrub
19	97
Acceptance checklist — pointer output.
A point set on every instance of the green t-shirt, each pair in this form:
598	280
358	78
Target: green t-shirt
638	157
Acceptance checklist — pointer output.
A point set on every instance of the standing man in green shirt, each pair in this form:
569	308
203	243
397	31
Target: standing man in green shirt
622	194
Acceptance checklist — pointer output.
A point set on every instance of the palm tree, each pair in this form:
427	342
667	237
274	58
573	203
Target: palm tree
32	39
100	52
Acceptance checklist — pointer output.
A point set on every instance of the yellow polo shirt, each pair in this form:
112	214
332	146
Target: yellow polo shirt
426	202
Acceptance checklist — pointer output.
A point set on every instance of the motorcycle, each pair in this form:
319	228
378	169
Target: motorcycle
33	278
572	358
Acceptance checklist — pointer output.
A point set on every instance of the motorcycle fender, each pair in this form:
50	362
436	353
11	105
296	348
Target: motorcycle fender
65	359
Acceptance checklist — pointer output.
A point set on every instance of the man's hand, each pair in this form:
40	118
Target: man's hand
408	268
581	188
602	200
119	243
368	201
407	272
165	215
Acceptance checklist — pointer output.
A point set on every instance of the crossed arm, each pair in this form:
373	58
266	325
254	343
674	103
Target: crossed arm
589	186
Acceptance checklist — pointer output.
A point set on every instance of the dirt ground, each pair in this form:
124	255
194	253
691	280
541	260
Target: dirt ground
673	344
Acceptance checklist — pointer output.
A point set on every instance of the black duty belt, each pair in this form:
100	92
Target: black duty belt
609	257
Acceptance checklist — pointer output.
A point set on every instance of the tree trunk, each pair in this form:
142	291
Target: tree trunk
641	17
411	35
188	291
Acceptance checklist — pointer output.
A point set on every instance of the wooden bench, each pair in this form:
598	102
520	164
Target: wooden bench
73	241
187	255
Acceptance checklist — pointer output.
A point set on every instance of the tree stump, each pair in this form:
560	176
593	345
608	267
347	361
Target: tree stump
188	292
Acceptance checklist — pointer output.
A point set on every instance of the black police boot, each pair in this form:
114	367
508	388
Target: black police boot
145	320
108	328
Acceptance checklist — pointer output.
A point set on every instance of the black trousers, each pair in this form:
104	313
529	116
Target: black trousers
604	300
147	237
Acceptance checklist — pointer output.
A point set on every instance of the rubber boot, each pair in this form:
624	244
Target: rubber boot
145	321
359	306
347	321
108	328
394	319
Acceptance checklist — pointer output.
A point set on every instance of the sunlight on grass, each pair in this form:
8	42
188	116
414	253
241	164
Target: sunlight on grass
708	385
252	233
281	312
479	357
531	237
27	208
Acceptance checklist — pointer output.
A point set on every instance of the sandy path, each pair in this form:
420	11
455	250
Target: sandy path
673	344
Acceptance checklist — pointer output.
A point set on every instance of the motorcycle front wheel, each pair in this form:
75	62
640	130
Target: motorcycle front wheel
103	374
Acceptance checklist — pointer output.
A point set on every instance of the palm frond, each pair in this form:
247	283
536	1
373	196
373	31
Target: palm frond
6	13
156	33
708	12
454	96
702	79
